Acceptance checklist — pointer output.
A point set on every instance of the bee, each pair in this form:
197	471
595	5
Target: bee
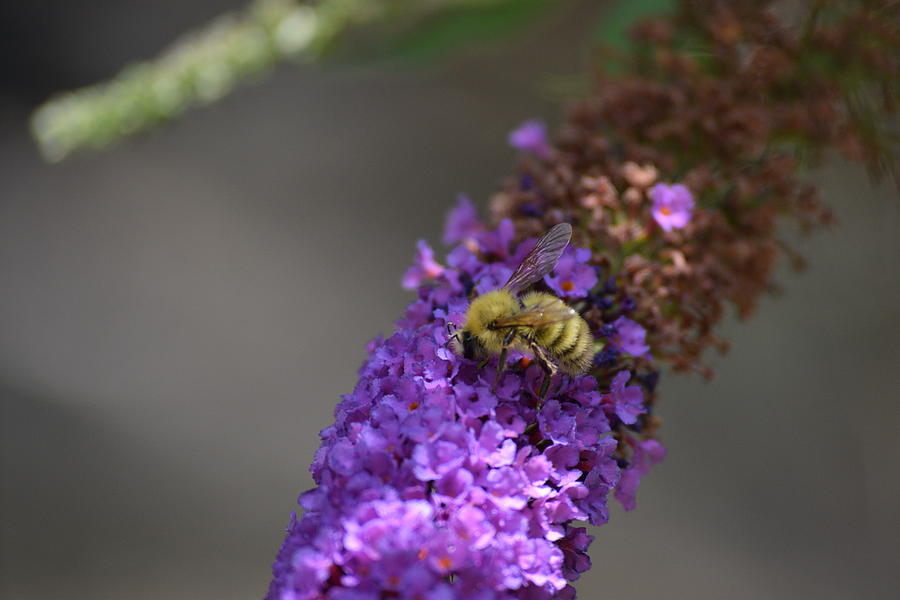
536	323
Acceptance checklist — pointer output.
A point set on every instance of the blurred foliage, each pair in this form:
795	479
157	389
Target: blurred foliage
206	65
436	36
614	27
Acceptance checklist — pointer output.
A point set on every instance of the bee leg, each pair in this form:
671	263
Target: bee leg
545	385
548	377
547	365
501	365
501	362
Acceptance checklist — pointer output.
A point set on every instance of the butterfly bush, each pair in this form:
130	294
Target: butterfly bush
440	481
434	483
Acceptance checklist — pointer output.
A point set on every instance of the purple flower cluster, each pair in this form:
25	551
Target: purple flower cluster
435	484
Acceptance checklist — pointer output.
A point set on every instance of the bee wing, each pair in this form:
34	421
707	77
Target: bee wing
541	259
537	316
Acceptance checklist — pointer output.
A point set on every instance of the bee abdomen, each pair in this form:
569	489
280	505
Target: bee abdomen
578	356
569	342
567	338
545	336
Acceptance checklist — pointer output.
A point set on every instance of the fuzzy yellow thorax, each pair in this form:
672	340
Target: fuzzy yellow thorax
484	310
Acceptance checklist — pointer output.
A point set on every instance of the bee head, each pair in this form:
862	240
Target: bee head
462	342
468	345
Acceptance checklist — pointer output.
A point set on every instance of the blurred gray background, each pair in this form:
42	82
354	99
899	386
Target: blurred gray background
179	316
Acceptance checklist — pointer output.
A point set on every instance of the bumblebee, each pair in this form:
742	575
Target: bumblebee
536	323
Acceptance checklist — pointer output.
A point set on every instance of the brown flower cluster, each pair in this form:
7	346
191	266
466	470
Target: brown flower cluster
734	101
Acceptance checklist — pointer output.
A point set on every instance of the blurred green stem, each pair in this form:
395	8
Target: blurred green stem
205	65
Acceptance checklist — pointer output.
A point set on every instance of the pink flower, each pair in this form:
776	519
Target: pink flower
672	205
531	136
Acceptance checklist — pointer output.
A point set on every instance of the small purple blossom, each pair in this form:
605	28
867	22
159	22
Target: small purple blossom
424	267
630	337
628	305
574	547
492	277
607	357
531	136
573	277
646	454
462	221
627	402
672	205
498	241
603	302
526	182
